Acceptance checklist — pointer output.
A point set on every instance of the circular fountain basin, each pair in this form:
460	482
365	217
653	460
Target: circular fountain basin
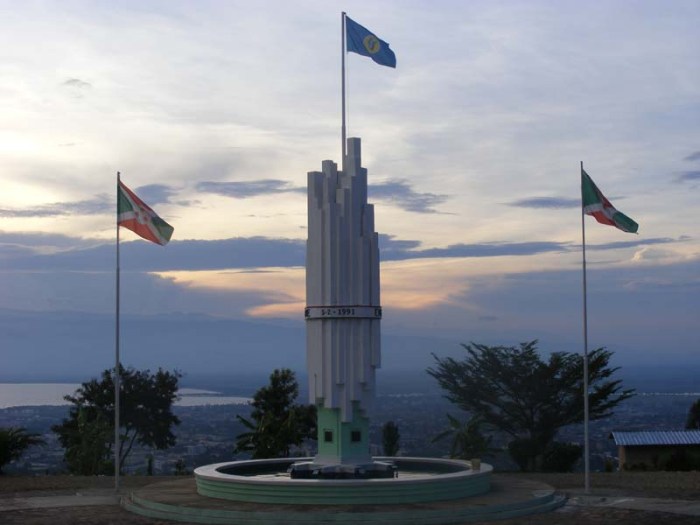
419	480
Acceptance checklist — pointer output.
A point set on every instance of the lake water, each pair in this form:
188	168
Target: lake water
38	394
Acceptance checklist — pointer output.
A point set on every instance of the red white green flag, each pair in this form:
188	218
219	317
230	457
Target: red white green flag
595	204
136	215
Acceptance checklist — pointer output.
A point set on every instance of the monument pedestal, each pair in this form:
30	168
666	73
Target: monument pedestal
343	450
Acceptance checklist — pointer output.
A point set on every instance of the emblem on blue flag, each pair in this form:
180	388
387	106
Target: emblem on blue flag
363	42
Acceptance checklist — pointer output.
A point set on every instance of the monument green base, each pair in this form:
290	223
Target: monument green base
340	441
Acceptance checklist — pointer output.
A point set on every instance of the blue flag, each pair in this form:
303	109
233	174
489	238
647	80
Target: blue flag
363	42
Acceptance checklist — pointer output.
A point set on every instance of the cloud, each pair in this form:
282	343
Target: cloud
492	249
626	305
632	244
77	83
65	253
546	202
400	193
394	250
693	156
139	256
247	189
391	248
279	293
654	254
76	88
33	239
18	246
102	203
689	176
13	251
98	205
153	194
664	283
240	252
141	293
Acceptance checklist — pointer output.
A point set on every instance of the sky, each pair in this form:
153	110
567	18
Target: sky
214	111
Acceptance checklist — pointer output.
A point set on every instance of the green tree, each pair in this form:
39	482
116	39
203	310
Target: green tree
88	438
693	421
277	423
467	439
14	441
513	390
145	417
390	438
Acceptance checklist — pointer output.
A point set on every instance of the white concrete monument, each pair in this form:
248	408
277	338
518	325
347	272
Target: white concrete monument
342	316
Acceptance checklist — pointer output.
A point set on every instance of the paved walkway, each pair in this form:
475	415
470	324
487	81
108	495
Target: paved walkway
672	506
577	498
84	498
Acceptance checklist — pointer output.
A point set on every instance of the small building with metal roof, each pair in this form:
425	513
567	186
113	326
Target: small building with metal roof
658	449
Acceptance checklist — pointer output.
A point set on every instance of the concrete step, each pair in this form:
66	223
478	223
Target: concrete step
287	515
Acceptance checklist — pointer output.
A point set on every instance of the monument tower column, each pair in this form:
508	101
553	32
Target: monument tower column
343	311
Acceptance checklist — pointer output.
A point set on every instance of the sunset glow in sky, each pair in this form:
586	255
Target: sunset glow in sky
214	112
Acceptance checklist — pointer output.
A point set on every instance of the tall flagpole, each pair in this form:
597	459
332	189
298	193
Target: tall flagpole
586	452
117	385
343	130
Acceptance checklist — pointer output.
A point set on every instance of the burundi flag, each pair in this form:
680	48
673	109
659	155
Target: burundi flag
136	215
595	204
361	41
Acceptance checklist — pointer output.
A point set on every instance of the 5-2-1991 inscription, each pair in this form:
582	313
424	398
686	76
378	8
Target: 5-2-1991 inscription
341	312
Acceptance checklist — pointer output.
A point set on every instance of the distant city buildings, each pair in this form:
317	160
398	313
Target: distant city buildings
207	433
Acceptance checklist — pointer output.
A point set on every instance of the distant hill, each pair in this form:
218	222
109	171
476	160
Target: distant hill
236	356
70	346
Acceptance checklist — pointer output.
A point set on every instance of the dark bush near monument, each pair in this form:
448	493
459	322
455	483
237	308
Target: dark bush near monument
390	438
680	460
561	457
557	457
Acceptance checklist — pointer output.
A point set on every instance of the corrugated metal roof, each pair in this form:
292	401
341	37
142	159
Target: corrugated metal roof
657	437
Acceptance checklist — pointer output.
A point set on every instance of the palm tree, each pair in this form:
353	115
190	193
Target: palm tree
14	441
467	440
